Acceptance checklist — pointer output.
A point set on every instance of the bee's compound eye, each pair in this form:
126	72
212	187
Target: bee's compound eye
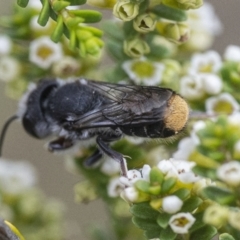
176	114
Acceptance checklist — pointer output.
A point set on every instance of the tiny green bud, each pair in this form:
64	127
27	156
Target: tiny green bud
83	35
144	23
72	22
184	4
216	215
59	5
93	46
89	16
177	32
234	219
136	48
126	10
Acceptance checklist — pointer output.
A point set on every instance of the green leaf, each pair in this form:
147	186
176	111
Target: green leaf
182	193
168	234
152	234
142	186
174	14
156	176
158	51
113	30
168	184
191	204
58	31
163	219
116	50
219	195
198	222
22	3
205	233
76	2
44	14
89	16
59	5
226	236
143	210
146	224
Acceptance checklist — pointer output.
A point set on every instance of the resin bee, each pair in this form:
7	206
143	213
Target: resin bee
79	110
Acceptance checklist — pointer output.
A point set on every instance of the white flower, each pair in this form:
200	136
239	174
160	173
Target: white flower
36	27
132	177
179	169
198	125
16	177
146	172
185	147
232	53
143	71
181	222
130	194
212	84
43	52
234	119
135	140
35	4
110	167
191	87
230	173
221	103
115	187
237	146
67	66
171	204
205	19
9	68
5	44
208	62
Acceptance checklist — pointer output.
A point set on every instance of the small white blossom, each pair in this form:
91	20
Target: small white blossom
221	103
209	62
16	177
110	167
146	172
130	194
43	52
191	87
181	222
67	66
171	204
232	53
35	4
9	68
237	146
212	83
179	169
132	177
5	44
198	125
143	71
185	147
230	173
36	27
115	187
135	140
234	119
205	19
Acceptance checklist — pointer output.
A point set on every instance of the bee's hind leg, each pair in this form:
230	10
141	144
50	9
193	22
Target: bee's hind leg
103	144
95	157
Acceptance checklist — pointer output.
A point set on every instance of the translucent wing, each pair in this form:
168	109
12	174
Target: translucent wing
127	105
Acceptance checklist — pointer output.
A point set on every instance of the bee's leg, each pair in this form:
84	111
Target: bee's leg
104	147
60	144
97	155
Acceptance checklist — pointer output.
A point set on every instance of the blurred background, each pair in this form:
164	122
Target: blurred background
53	178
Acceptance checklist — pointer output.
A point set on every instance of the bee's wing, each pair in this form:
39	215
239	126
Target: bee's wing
128	105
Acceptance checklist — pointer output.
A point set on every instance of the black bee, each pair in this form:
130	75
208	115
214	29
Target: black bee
79	110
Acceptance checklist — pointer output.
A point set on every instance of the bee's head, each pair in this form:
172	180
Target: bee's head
33	109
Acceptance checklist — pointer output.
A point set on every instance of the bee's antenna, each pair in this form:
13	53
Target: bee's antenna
4	130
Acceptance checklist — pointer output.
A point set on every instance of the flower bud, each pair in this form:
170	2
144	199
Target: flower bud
144	23
126	10
136	48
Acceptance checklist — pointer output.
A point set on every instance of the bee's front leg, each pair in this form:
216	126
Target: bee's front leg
60	144
104	147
